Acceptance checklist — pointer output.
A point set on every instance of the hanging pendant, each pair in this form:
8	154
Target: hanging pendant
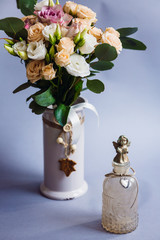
67	166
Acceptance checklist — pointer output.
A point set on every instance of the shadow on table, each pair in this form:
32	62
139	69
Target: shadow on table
18	187
86	231
96	226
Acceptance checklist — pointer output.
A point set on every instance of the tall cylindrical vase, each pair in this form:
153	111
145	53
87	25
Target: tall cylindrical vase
56	184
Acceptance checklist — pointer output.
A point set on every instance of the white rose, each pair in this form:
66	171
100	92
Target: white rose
78	66
36	50
41	4
49	30
19	47
90	43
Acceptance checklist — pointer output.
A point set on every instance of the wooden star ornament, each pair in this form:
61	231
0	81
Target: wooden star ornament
67	166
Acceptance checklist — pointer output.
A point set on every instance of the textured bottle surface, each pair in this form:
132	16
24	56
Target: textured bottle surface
120	204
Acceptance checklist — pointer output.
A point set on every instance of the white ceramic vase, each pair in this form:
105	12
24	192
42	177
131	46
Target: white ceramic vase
56	184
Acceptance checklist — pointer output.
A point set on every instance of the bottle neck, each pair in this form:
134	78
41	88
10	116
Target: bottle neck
121	168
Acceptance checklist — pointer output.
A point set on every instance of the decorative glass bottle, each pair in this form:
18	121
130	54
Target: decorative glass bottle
120	193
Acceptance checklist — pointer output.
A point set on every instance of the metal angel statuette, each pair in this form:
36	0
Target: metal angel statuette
121	147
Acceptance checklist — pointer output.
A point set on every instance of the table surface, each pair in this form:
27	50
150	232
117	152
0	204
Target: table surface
130	106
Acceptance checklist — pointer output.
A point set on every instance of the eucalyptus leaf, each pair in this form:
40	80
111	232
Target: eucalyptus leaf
127	31
95	86
13	27
45	99
91	75
27	6
92	71
105	52
61	114
36	108
22	87
131	43
21	34
102	65
35	94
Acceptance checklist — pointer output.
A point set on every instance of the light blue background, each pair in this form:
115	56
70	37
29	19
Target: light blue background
130	105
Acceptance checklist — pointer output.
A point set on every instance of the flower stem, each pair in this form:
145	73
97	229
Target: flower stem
84	89
54	85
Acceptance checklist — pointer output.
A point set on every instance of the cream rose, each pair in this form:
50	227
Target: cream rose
112	31
85	12
48	72
35	32
96	32
34	70
78	66
36	50
70	8
20	47
62	58
66	44
85	23
41	4
112	40
49	30
90	43
64	31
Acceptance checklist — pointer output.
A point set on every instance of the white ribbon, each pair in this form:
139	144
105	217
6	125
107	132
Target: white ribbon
74	119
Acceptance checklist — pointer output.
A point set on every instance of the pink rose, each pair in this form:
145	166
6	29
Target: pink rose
54	14
29	21
74	29
78	25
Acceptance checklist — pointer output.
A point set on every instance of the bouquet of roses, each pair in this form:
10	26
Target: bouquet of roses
62	50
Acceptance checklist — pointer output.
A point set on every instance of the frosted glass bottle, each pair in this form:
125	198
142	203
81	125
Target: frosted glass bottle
120	200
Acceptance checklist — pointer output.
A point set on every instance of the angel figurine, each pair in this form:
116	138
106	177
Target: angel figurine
121	147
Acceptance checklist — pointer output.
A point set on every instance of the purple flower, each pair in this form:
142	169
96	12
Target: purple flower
54	14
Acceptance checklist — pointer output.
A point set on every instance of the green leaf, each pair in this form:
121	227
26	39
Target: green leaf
78	89
61	114
91	75
74	92
84	89
95	86
21	34
27	6
45	99
92	71
127	31
36	108
13	27
102	65
35	94
17	3
131	43
105	52
43	84
22	87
